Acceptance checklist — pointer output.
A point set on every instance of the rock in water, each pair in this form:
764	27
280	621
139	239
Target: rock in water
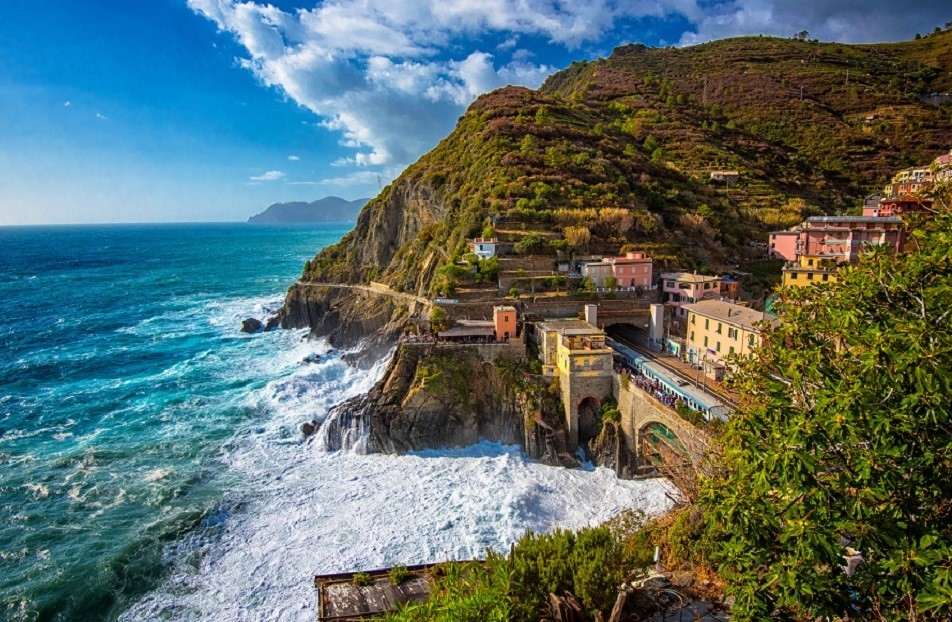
308	428
251	325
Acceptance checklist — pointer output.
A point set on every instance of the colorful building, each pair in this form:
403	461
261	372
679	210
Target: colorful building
504	322
783	244
823	243
631	270
680	288
484	247
717	330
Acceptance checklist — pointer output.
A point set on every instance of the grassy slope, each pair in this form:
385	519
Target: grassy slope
641	131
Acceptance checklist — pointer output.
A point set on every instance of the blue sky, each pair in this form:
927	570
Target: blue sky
210	110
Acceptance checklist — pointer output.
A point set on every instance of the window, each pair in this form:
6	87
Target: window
732	333
670	283
809	262
707	286
750	340
693	319
826	277
718	348
692	336
793	276
707	324
731	350
705	341
809	276
718	328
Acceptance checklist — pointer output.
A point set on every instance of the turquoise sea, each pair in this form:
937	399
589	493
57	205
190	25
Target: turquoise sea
152	466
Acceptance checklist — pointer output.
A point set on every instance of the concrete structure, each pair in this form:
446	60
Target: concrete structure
576	353
631	270
717	329
641	415
504	322
484	247
725	176
679	288
783	244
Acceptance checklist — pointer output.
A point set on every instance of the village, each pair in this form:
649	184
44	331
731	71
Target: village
673	335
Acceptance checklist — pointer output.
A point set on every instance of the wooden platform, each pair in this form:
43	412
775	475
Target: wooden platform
340	600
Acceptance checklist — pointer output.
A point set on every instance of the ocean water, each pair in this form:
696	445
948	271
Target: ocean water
152	467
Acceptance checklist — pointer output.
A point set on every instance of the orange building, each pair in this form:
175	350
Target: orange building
504	321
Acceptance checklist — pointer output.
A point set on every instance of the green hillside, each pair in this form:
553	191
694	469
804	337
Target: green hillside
618	152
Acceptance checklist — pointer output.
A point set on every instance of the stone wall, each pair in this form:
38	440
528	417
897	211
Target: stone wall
639	409
575	388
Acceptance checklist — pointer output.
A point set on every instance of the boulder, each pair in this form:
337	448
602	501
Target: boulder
251	325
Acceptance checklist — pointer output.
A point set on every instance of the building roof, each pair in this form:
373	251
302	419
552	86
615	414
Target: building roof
689	277
737	315
504	309
467	331
857	219
570	327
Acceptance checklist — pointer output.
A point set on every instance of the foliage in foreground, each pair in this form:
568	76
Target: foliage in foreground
590	563
846	442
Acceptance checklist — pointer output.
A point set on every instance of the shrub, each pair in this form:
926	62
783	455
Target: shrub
362	579
398	574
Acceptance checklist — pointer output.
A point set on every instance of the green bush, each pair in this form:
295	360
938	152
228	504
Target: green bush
398	574
362	579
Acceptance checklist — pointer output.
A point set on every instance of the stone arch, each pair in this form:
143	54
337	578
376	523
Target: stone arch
589	420
659	445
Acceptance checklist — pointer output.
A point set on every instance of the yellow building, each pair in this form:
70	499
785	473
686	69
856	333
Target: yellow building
810	269
718	329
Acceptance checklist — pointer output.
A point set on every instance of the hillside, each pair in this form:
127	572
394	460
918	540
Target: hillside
328	209
618	153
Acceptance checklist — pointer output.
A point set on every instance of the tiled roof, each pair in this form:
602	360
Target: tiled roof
743	317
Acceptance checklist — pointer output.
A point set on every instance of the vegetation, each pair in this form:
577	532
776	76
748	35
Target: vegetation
590	563
845	446
619	151
398	574
362	579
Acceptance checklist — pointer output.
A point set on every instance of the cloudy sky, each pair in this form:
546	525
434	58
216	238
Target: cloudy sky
210	110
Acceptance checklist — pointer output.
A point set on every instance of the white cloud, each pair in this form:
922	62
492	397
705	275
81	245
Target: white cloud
293	158
268	176
102	116
848	21
390	75
67	103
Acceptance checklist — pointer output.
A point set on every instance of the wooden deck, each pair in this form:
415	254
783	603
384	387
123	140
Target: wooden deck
340	600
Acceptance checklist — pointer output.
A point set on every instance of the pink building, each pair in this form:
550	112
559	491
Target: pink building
783	244
632	270
842	238
679	288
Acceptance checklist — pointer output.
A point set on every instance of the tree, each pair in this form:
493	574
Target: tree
610	282
844	443
803	35
439	320
577	237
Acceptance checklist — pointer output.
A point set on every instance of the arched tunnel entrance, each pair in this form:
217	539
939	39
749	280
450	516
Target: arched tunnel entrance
589	420
660	446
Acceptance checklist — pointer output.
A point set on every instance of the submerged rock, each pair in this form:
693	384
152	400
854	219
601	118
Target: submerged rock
308	428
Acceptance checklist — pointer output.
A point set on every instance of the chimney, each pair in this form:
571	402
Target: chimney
591	314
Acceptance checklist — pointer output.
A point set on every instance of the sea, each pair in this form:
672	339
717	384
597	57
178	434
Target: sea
151	460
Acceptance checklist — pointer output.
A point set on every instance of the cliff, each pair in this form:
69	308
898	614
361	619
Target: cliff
328	209
621	149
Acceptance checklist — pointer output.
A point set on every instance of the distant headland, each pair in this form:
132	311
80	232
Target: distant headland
328	209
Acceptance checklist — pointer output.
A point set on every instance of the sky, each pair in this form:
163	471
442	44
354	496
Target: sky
210	110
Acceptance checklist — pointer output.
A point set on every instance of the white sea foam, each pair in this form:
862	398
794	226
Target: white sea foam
303	512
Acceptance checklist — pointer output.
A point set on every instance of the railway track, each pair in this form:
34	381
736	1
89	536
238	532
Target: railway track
725	398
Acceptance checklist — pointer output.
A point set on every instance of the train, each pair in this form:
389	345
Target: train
672	384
